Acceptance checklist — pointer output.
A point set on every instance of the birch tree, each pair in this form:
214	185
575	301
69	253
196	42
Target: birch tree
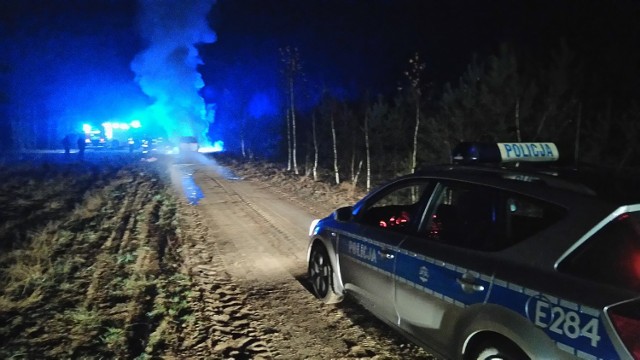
367	148
414	74
289	144
292	71
242	137
335	149
315	147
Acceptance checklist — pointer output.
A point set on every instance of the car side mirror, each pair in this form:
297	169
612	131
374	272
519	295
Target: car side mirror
343	213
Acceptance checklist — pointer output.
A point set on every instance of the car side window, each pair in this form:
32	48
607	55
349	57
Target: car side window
485	218
464	216
525	217
397	208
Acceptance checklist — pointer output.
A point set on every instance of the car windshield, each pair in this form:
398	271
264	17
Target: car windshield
611	255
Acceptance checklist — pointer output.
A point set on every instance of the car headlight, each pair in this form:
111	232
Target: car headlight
312	227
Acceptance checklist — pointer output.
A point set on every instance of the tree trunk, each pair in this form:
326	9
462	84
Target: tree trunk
315	148
243	128
368	150
541	125
291	71
307	161
353	158
293	128
289	157
415	136
335	150
354	183
449	151
415	81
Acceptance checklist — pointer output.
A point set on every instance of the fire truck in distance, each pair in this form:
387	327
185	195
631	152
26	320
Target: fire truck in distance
114	135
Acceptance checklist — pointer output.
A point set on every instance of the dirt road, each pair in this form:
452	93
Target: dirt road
247	255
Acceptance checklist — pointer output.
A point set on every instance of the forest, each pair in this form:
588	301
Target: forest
589	110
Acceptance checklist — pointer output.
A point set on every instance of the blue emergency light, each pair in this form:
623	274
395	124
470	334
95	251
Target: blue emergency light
476	152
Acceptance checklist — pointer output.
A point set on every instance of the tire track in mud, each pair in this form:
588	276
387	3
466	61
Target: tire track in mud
284	240
123	224
225	325
255	257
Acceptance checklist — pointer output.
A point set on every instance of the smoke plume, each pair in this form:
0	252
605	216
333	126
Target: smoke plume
167	69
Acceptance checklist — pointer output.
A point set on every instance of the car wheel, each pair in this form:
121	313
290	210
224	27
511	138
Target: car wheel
495	350
321	275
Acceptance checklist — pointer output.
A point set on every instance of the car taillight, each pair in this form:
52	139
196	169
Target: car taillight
626	320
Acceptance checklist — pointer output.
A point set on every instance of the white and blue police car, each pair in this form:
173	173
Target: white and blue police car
476	261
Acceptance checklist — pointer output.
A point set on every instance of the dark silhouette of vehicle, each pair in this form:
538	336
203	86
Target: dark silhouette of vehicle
188	144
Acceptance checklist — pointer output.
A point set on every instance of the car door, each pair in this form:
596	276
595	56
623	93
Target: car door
445	268
367	245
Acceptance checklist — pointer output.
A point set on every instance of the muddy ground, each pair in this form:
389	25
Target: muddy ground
123	259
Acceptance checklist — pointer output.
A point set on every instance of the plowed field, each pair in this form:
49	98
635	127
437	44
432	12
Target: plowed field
121	259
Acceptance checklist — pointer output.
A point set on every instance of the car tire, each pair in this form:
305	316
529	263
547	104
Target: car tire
320	273
495	349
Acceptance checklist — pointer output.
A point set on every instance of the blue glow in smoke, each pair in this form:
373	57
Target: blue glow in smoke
166	70
217	146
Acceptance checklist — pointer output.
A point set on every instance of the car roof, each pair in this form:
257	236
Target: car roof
558	184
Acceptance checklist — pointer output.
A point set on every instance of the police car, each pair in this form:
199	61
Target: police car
477	261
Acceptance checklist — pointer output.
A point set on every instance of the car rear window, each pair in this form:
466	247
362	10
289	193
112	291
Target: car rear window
611	255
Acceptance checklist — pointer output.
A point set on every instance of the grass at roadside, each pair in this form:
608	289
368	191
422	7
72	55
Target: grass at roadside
90	262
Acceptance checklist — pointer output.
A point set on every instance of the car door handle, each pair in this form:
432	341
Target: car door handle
386	254
468	285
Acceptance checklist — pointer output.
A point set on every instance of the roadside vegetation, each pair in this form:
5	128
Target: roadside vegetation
90	262
320	197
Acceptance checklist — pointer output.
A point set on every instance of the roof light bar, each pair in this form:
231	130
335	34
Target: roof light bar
473	152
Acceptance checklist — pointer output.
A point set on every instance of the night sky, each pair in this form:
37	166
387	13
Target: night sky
68	61
366	44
